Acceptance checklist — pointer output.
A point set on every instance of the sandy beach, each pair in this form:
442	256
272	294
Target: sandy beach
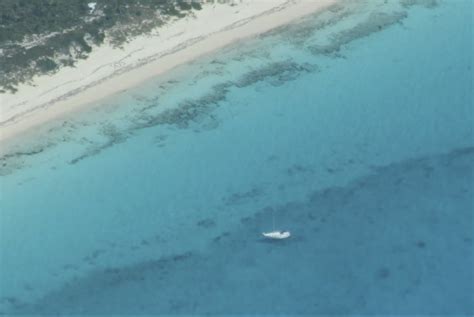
110	70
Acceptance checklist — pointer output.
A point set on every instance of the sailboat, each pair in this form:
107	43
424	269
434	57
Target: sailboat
276	234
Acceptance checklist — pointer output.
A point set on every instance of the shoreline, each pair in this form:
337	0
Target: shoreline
98	77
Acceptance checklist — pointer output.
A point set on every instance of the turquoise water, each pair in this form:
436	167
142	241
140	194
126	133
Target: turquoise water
353	129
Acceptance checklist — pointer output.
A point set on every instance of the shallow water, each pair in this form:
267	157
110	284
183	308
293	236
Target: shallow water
352	128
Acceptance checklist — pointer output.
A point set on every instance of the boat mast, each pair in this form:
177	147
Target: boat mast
273	219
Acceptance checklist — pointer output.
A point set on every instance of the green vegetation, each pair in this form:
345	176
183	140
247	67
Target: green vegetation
40	36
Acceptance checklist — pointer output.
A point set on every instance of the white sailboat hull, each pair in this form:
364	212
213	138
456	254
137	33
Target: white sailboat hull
277	234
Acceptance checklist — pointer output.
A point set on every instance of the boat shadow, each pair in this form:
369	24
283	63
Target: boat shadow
280	242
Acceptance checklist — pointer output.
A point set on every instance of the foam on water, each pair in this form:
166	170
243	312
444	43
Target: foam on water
353	127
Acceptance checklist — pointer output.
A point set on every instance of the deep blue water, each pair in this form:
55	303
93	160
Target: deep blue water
353	129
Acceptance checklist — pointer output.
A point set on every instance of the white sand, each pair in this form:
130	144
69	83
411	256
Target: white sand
108	70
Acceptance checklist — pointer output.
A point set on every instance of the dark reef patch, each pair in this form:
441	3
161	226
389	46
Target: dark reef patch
243	197
275	73
424	3
206	223
296	169
13	161
377	21
220	237
420	244
382	273
96	282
